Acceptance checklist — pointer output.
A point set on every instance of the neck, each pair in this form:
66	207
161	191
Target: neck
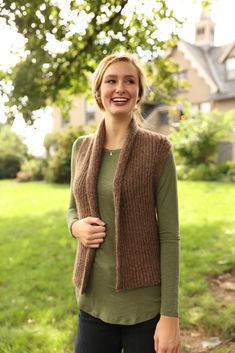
116	132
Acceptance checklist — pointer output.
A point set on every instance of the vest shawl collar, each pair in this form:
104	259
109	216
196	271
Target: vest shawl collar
92	148
94	163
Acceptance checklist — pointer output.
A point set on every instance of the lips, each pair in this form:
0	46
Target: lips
119	100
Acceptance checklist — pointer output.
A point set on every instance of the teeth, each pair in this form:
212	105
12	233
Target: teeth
119	99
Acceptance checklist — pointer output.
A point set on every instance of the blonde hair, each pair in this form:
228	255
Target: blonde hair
102	67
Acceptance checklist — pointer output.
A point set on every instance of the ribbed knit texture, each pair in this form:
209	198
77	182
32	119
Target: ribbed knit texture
139	169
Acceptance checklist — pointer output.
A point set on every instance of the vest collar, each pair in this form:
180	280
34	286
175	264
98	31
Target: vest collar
94	163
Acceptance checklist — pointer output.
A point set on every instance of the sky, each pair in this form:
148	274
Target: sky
222	13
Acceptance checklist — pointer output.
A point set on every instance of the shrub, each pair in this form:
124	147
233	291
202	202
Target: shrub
12	152
34	168
195	145
211	172
58	169
198	136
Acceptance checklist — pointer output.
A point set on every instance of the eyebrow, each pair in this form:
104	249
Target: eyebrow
126	76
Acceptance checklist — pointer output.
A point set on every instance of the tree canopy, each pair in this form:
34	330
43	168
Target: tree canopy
66	39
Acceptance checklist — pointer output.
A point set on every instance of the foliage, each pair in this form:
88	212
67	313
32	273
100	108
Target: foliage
211	172
66	40
198	135
58	169
12	152
50	142
32	169
163	82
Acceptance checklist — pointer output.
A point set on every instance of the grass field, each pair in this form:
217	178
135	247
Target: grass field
38	310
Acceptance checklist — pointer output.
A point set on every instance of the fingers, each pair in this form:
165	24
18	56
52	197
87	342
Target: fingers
162	349
93	229
93	233
90	231
95	220
95	239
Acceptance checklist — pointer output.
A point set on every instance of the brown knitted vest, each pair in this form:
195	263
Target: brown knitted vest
138	171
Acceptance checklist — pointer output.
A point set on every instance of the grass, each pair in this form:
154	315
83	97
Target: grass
208	248
38	311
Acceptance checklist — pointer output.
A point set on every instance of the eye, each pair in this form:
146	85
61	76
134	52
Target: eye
111	81
131	82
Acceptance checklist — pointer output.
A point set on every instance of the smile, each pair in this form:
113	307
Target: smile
116	100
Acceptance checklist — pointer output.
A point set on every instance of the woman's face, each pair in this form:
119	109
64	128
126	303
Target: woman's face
119	90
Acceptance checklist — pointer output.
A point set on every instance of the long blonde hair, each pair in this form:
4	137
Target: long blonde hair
102	67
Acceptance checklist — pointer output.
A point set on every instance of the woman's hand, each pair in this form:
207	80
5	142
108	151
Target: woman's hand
167	335
90	231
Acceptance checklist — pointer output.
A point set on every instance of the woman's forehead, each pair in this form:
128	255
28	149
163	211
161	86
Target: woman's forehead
121	68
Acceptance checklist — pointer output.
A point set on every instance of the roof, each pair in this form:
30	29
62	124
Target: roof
211	67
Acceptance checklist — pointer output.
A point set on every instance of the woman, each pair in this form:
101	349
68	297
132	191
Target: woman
123	211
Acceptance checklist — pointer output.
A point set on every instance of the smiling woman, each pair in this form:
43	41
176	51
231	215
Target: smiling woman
119	211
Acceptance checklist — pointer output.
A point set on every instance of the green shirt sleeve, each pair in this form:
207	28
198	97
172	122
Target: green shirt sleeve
167	212
72	214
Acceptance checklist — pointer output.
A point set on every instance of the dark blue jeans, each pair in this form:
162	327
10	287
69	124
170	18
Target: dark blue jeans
96	336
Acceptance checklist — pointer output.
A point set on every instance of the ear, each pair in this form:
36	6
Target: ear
97	97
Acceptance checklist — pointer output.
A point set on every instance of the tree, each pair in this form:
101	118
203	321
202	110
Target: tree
84	31
12	152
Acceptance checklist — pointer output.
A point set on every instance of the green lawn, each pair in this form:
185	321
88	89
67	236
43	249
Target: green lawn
38	310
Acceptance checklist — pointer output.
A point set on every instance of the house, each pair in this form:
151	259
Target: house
82	112
210	72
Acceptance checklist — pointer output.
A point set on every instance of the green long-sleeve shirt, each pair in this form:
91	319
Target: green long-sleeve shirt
136	305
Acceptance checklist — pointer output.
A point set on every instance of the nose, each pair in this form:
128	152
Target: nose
120	87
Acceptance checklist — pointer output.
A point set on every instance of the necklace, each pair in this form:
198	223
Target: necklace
112	152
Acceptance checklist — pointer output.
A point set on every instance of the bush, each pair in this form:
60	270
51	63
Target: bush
33	169
58	169
211	172
9	166
196	146
12	152
228	169
198	136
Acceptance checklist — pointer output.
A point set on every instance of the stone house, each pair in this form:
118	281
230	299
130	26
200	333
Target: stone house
210	73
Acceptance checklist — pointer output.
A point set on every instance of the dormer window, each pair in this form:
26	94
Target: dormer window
230	68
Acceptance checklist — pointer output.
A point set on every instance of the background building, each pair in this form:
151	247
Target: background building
210	73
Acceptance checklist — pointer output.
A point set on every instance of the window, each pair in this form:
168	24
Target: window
182	75
230	68
180	78
164	118
200	31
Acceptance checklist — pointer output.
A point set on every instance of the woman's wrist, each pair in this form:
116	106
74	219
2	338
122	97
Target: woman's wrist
73	228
